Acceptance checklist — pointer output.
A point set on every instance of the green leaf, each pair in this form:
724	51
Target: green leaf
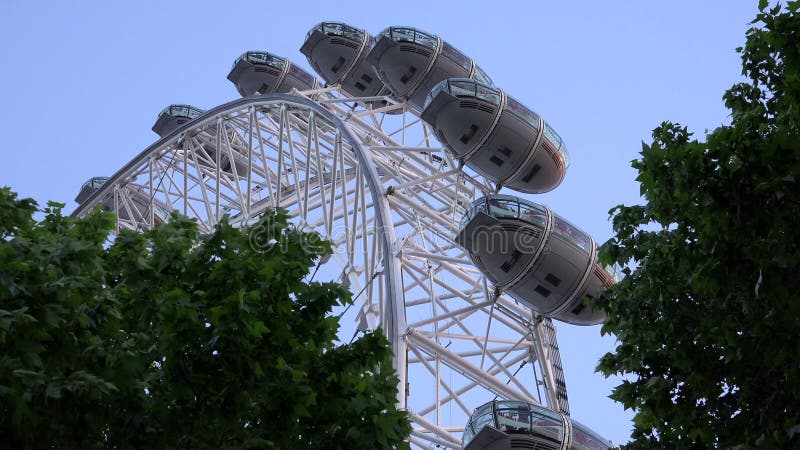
707	314
170	339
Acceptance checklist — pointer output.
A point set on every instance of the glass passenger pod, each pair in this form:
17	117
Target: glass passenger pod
90	187
462	112
600	279
584	438
515	424
495	135
333	48
411	62
551	268
555	284
261	73
137	201
550	154
503	236
547	161
338	52
173	116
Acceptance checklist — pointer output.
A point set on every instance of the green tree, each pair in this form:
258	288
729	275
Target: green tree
172	339
708	314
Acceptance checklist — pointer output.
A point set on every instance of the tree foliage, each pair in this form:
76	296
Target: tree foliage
708	314
170	339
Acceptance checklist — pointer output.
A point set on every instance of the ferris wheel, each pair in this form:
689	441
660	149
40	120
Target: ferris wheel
398	158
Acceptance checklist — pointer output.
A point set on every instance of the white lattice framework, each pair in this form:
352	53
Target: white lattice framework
382	189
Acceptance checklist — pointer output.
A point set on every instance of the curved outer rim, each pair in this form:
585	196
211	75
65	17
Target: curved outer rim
395	325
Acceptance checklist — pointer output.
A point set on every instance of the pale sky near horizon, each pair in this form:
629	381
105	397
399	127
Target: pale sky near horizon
83	82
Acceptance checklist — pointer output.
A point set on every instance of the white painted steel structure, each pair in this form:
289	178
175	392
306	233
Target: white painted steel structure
382	189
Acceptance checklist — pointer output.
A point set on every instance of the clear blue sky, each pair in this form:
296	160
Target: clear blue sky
82	82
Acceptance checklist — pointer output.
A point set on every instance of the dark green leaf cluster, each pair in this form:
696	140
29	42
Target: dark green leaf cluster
170	339
708	314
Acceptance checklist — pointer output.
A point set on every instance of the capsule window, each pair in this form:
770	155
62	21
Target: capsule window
552	279
411	71
440	135
505	151
533	213
339	63
496	160
455	55
360	86
462	88
534	170
264	88
504	208
543	291
578	308
488	94
469	134
522	111
366	78
552	136
574	235
481	76
511	261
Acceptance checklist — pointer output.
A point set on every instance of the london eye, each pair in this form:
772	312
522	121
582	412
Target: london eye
402	155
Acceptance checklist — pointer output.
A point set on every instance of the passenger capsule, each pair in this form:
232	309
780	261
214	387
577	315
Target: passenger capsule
502	424
535	256
131	202
496	136
338	53
411	62
264	73
173	116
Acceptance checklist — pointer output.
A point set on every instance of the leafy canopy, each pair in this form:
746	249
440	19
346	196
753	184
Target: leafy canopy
170	339
708	315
